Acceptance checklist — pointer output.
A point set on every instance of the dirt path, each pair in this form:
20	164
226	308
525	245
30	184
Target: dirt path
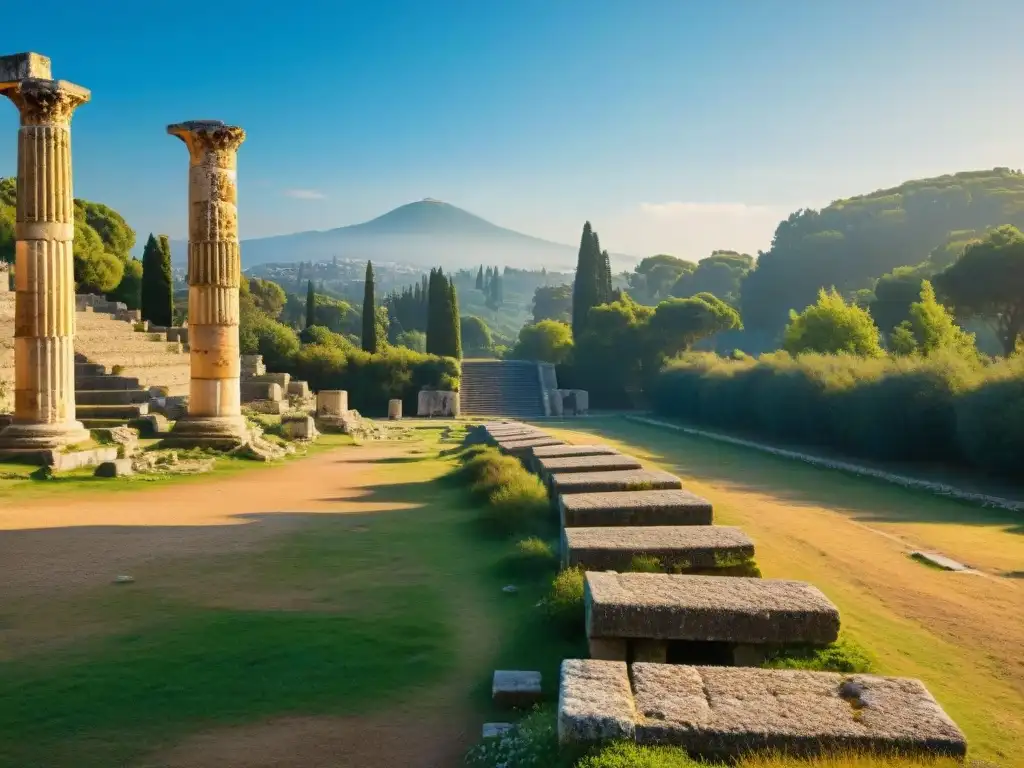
51	550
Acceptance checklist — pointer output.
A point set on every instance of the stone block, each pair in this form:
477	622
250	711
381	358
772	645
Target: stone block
152	424
116	468
677	548
574	402
564	451
595	702
298	389
281	379
394	409
331	402
520	449
271	407
656	606
299	427
720	713
516	688
553	403
24	66
437	403
252	365
260	390
616	462
65	461
632	508
605	482
496	730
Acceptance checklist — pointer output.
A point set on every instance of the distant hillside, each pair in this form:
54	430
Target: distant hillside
425	233
853	242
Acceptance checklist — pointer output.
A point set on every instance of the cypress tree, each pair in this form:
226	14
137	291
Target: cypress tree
369	313
584	287
157	285
606	278
433	330
454	323
310	304
480	278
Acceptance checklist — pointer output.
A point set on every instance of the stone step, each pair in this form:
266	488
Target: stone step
549	467
721	713
126	347
143	360
749	615
106	382
127	333
605	482
633	508
110	396
678	549
122	411
89	423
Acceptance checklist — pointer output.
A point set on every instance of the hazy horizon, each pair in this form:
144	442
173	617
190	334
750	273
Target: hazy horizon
673	128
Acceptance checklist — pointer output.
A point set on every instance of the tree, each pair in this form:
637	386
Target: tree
552	302
496	292
678	324
157	283
480	278
986	282
893	296
455	327
310	304
7	237
720	274
830	327
548	341
655	276
268	296
604	288
414	340
476	336
370	338
300	274
117	237
931	328
586	291
129	290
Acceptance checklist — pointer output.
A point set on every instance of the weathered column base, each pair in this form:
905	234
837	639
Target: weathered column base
221	433
29	439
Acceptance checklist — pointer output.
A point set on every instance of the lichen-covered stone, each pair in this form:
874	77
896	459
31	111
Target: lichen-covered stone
708	609
632	508
726	712
616	462
516	688
565	451
613	548
605	482
520	449
595	702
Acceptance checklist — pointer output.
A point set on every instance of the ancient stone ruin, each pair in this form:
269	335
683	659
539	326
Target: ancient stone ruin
699	600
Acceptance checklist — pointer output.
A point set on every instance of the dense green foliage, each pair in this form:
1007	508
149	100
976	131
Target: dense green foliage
369	338
941	408
852	242
552	302
157	283
269	297
476	337
720	274
443	334
310	304
830	327
129	290
987	282
653	279
549	341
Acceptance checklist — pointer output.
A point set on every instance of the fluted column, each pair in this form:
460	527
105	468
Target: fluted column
214	272
44	283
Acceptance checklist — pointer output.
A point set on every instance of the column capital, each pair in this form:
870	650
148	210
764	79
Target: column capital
46	102
205	137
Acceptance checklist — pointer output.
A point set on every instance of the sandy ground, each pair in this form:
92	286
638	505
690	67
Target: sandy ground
51	550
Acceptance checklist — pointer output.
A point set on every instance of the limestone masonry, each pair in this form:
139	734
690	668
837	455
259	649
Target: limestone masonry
612	548
629	508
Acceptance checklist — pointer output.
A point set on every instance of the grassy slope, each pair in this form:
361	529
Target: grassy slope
960	634
390	605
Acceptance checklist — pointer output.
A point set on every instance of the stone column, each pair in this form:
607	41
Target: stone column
214	272
44	325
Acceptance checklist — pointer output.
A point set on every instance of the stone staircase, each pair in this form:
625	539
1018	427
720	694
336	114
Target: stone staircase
501	388
115	364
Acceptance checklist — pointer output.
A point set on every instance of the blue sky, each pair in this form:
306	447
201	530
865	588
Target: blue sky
674	125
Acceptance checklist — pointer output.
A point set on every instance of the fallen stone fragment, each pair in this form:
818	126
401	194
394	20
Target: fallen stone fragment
940	561
605	482
676	548
718	713
516	688
115	468
632	508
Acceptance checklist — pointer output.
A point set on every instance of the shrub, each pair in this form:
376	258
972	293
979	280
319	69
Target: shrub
519	505
530	557
945	408
533	742
645	564
564	601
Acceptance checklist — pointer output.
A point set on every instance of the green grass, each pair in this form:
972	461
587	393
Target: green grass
24	481
844	655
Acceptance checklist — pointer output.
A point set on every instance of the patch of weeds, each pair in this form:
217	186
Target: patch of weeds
639	485
531	557
725	565
532	742
519	505
844	655
564	602
630	755
645	564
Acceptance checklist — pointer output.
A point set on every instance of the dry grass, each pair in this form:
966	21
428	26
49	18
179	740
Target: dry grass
960	634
